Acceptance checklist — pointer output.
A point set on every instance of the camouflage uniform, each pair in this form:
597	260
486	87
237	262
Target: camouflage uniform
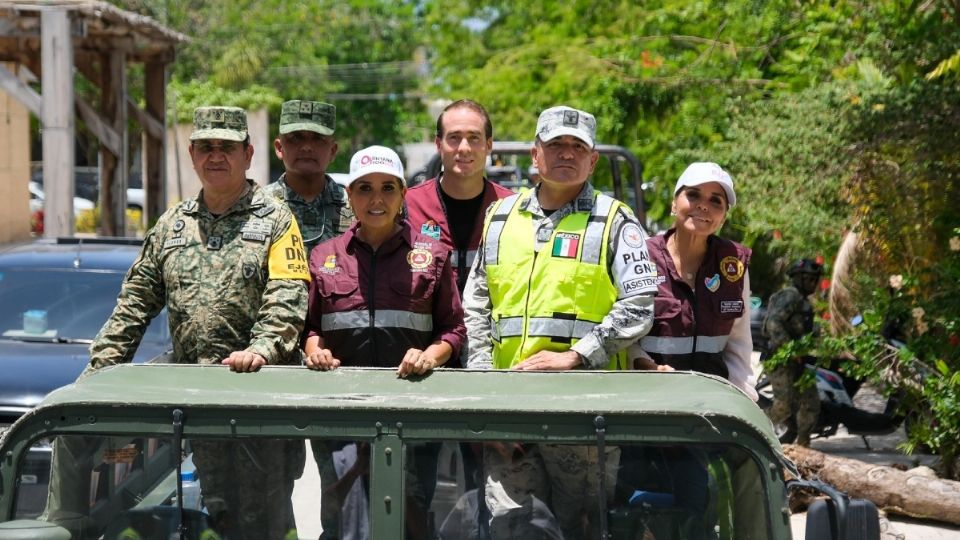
328	215
230	282
321	219
213	274
325	217
789	317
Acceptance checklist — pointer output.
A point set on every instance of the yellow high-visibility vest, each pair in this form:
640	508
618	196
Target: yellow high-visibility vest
547	301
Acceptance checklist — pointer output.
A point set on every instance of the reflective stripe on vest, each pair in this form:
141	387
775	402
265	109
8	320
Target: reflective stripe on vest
683	345
494	228
455	257
547	300
385	318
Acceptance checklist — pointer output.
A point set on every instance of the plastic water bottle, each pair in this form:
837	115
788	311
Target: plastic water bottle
191	489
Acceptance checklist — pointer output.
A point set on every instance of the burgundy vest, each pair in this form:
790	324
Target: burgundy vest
691	326
427	216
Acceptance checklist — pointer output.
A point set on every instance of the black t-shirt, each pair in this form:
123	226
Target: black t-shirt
461	217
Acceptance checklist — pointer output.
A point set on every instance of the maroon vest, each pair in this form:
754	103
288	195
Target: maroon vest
371	307
691	326
427	216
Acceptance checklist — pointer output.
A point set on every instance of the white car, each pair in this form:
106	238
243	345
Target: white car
36	200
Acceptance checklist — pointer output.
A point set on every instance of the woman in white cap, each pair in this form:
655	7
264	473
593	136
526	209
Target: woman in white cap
701	312
382	295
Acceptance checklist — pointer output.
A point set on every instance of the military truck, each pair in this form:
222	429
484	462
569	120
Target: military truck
140	422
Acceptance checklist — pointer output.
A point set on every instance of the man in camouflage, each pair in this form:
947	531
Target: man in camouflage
306	147
229	266
790	317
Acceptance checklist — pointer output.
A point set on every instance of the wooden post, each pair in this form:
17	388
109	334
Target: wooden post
57	122
114	168
154	150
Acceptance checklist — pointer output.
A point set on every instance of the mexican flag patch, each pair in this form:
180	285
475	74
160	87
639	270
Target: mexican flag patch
565	245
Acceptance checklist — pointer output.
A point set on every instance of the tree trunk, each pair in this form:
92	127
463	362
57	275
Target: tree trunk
899	492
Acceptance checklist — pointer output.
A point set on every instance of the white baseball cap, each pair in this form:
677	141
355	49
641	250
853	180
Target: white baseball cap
704	172
375	159
562	120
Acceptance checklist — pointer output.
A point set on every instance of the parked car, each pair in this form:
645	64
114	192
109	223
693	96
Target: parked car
146	418
55	294
87	187
37	199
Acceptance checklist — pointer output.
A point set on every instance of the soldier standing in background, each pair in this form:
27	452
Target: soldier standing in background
229	266
306	146
790	317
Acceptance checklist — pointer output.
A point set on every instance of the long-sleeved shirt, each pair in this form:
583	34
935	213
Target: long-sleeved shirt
231	282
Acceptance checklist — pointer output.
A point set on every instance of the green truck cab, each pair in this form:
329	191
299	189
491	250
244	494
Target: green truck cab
140	422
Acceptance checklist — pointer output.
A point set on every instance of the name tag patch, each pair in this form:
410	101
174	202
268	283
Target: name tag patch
639	284
175	242
731	306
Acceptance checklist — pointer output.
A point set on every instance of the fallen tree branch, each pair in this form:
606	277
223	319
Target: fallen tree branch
908	493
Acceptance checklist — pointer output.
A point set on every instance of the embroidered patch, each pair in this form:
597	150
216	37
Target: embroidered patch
731	306
248	271
418	259
431	228
175	242
254	237
263	211
565	245
331	262
731	268
178	226
214	243
647	283
632	235
712	283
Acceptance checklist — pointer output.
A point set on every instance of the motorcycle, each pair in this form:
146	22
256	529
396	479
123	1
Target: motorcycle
836	408
836	393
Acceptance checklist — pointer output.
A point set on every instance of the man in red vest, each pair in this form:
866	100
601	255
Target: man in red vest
451	206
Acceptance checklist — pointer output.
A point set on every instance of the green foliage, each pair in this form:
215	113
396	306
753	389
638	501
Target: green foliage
362	56
831	115
192	94
949	66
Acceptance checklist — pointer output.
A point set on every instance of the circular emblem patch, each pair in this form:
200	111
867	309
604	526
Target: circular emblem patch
731	268
632	235
418	259
178	226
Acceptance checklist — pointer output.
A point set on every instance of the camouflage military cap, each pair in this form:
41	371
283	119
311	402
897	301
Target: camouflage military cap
562	120
224	123
316	116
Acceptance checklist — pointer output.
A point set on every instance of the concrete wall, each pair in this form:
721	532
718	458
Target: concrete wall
183	182
14	169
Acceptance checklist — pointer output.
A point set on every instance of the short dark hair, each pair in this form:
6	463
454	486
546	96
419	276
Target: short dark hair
473	106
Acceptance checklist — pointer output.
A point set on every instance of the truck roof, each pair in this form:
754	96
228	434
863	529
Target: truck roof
294	399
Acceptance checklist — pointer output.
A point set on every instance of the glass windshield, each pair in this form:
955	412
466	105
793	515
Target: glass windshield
297	488
42	304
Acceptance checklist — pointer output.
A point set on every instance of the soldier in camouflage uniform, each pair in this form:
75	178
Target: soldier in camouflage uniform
306	147
789	317
230	267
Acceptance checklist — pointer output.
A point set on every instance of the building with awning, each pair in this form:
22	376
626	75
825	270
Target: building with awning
55	43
